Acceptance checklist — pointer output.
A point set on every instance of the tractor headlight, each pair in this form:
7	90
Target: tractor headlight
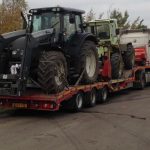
14	52
17	52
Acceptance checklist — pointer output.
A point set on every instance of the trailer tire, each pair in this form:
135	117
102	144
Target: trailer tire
116	65
103	95
129	57
90	98
52	71
75	104
140	80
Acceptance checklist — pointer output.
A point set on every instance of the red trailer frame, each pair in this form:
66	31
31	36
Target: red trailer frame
37	100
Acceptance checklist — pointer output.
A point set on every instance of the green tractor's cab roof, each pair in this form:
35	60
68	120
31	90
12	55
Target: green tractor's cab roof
56	9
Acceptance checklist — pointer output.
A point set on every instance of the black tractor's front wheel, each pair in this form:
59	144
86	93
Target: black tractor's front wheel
52	71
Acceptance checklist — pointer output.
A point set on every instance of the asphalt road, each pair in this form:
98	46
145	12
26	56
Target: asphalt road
122	124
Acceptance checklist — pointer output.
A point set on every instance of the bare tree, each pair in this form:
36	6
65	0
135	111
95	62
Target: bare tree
123	20
10	19
91	15
101	15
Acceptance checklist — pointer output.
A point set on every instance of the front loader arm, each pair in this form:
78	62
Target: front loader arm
33	42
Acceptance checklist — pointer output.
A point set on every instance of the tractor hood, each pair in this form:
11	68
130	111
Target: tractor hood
18	44
7	38
17	40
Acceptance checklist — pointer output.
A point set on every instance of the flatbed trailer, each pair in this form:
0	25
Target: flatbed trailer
37	100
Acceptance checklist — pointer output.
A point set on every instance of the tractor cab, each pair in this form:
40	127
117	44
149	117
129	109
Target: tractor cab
106	30
60	21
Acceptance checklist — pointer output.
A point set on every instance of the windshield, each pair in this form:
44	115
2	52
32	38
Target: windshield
46	21
103	31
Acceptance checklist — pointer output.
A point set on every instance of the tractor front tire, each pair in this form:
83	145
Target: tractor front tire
52	71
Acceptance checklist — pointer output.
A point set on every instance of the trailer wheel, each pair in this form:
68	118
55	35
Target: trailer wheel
102	95
140	80
90	98
75	104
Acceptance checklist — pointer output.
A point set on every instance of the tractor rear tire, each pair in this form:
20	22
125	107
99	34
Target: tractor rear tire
87	61
52	72
129	57
116	65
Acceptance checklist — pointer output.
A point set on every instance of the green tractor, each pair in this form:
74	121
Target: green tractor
120	55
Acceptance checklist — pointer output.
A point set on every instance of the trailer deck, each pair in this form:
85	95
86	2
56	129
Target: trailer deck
35	99
38	100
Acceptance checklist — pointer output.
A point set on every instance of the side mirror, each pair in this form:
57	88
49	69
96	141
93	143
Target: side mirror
72	18
117	31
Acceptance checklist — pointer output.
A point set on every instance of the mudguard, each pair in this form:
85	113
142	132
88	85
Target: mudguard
7	38
76	41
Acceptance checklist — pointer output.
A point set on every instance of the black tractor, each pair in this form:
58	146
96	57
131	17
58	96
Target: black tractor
51	52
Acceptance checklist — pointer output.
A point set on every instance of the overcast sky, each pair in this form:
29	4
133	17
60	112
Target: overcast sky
135	7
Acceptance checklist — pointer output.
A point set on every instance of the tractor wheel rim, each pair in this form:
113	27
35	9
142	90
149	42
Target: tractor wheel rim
60	72
120	70
93	98
120	73
90	64
133	61
79	101
104	95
